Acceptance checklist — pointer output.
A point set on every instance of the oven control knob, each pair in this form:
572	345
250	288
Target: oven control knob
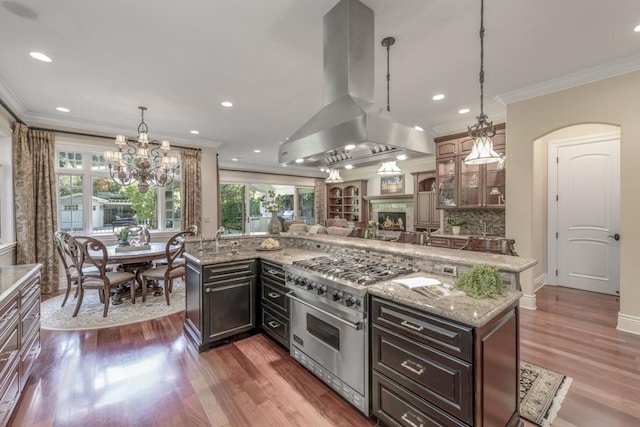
311	285
351	301
298	281
322	290
337	295
304	283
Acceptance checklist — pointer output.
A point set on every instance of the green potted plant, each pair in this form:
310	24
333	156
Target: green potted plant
123	237
456	226
481	281
273	203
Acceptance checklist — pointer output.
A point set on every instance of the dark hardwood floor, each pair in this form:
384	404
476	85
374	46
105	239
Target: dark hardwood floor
146	374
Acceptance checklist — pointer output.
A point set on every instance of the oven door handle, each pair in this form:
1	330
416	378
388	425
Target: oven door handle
357	326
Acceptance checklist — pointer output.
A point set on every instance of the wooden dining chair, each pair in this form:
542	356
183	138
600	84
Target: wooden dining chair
180	260
61	239
87	251
172	270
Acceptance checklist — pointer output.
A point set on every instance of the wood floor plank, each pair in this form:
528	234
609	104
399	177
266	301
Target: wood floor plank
147	374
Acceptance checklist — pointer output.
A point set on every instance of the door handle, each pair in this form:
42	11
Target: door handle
615	237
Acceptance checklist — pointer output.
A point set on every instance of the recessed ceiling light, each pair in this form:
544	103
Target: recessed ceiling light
195	132
63	109
348	166
637	29
438	97
40	56
226	104
349	146
321	169
256	151
463	110
401	157
284	165
418	128
299	160
234	159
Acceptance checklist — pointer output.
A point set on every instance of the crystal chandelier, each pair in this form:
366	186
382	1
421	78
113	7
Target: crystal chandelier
141	160
482	151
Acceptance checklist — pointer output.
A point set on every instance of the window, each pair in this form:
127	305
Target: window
90	201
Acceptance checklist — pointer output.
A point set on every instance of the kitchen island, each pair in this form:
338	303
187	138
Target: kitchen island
450	360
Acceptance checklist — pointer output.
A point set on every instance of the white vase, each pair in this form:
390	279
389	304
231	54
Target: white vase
455	229
274	226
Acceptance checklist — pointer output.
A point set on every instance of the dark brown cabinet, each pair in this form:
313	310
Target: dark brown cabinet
19	336
469	186
425	214
220	301
427	370
345	200
274	304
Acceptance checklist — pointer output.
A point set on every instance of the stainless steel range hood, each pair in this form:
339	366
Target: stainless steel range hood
349	115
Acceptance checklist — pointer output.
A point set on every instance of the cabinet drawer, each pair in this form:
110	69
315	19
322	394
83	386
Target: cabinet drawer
272	270
8	346
30	316
10	393
29	353
395	406
275	295
433	331
31	289
437	377
440	242
458	243
228	270
275	325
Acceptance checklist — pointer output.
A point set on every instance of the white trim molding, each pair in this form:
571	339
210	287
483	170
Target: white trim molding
627	323
539	282
528	302
578	78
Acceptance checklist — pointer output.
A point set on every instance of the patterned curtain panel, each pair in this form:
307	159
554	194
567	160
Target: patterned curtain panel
191	188
35	201
320	201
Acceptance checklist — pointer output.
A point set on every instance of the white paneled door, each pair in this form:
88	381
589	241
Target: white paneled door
588	215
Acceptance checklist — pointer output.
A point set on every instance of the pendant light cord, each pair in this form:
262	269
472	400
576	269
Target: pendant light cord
482	116
388	42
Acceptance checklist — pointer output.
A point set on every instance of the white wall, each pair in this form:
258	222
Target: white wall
209	192
7	224
612	101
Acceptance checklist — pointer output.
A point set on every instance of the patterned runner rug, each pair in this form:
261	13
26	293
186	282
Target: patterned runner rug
54	317
541	393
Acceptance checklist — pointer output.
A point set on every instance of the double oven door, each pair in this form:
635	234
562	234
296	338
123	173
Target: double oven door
335	340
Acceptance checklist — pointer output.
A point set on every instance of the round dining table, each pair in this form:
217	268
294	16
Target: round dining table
136	261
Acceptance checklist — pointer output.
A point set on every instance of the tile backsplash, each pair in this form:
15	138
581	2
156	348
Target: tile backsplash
494	221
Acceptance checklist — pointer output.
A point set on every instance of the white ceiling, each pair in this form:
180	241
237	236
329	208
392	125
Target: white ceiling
181	59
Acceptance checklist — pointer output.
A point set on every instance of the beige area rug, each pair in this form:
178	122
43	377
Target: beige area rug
541	393
54	317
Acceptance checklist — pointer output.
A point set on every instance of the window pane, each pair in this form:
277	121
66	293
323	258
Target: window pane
173	206
232	207
69	160
70	203
306	205
115	206
260	219
98	163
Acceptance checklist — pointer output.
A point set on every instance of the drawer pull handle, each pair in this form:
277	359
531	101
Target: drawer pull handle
33	316
412	326
207	290
275	273
273	295
274	324
405	417
418	371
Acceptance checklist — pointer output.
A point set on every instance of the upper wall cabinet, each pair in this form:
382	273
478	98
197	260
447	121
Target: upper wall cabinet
461	186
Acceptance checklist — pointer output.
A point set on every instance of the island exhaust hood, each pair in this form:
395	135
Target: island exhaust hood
349	115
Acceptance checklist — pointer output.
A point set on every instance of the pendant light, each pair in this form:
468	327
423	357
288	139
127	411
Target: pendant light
389	168
482	151
334	177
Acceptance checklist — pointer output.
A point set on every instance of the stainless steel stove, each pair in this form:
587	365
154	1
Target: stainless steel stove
328	330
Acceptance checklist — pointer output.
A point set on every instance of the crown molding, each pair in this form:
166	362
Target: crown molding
11	100
276	170
463	125
568	81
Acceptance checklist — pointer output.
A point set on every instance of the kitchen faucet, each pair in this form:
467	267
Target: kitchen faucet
216	238
483	226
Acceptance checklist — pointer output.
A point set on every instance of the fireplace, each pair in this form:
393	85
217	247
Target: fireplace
393	221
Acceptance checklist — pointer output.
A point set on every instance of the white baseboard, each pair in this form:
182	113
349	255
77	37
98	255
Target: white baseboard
628	323
528	302
539	282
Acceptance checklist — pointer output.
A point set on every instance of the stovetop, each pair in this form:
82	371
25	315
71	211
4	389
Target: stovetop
360	271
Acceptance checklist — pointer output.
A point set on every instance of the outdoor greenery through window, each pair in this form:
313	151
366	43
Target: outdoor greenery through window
242	210
90	201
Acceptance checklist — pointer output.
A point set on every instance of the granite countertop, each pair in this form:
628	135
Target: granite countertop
283	256
463	309
13	276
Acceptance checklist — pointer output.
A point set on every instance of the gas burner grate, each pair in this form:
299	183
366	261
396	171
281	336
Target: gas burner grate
363	271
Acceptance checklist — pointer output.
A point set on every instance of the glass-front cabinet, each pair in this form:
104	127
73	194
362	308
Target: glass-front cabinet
447	183
470	185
